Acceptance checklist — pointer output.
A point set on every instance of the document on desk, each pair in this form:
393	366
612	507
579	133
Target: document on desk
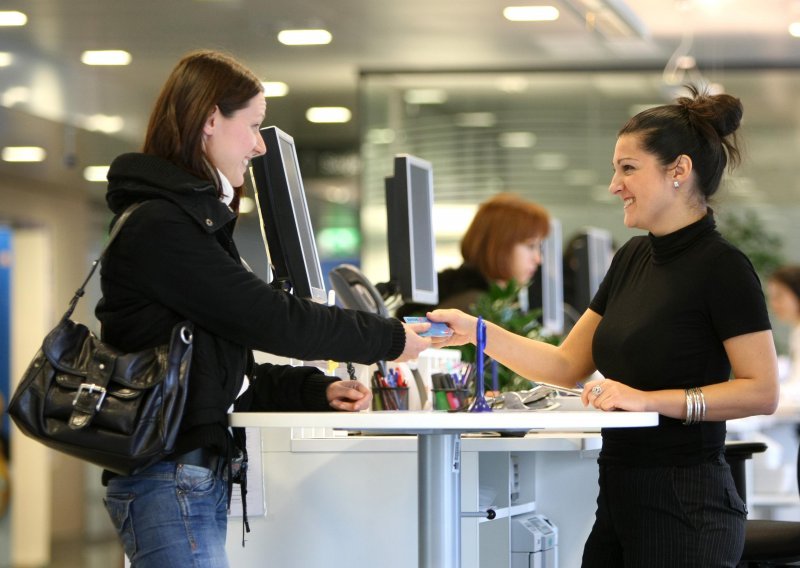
256	502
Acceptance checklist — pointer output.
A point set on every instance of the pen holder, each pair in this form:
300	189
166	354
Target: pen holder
449	399
390	398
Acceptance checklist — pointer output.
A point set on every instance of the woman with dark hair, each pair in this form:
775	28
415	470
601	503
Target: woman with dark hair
679	326
502	244
175	260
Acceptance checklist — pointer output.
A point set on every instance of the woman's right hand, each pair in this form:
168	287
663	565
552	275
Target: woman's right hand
463	325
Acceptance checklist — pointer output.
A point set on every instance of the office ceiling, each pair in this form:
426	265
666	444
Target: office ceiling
46	80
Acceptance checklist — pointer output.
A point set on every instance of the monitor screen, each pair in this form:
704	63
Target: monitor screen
285	222
587	257
552	281
411	242
546	290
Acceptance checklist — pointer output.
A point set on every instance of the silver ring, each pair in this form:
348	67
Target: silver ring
596	390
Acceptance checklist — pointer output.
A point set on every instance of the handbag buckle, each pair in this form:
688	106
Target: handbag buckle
90	388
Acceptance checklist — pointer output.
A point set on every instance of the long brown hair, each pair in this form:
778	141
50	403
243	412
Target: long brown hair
500	223
201	81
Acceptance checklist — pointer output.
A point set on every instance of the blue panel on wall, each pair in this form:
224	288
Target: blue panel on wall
5	316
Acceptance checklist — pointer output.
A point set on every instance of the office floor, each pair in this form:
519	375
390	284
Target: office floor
104	554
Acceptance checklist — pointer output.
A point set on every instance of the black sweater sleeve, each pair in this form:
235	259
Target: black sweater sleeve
178	264
284	388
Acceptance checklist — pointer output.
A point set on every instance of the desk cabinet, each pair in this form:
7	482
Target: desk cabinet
352	501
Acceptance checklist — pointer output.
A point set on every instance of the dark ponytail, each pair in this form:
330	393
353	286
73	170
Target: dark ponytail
702	126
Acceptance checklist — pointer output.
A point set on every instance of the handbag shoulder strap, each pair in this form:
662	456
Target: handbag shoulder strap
113	235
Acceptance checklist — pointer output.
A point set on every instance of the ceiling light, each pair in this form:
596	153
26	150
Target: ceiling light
328	114
380	136
23	154
513	84
304	37
275	88
106	57
531	13
475	119
516	139
96	173
103	123
550	161
13	18
794	29
425	96
6	59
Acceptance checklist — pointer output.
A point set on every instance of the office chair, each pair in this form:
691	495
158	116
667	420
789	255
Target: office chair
766	543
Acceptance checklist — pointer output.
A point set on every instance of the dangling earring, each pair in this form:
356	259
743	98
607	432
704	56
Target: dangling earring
676	184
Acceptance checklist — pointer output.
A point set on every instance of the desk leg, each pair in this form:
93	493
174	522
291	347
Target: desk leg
439	486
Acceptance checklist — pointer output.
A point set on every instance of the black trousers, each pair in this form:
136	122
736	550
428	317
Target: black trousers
670	517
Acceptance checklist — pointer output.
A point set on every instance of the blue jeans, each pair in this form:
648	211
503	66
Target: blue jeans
170	515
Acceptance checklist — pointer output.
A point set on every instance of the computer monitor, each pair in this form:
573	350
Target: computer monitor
587	257
409	224
546	290
285	222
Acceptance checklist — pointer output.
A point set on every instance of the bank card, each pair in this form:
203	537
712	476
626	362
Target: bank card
437	329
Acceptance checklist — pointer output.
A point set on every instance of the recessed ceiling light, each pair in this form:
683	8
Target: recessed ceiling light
106	57
328	114
531	13
516	139
380	136
6	59
23	154
103	123
95	173
305	37
275	88
475	119
794	29
12	18
550	161
425	96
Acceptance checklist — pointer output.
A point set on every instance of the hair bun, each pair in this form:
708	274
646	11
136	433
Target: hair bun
722	112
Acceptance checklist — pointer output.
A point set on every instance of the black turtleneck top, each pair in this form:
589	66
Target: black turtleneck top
667	304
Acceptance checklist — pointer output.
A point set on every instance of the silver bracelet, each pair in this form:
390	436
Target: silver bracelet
702	415
689	408
695	406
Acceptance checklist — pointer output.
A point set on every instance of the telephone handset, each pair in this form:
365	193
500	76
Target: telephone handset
355	291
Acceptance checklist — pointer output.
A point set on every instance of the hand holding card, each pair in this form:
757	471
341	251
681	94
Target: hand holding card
436	330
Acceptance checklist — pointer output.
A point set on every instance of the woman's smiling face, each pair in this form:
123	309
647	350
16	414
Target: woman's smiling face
644	185
231	142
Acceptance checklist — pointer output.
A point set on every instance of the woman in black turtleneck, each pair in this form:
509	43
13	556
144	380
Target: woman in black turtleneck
679	326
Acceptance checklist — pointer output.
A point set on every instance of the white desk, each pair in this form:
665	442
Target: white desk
439	454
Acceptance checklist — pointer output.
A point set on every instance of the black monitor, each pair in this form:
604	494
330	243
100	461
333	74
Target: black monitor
411	242
285	222
587	257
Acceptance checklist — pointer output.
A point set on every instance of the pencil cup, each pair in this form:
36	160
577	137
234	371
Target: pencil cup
449	399
390	398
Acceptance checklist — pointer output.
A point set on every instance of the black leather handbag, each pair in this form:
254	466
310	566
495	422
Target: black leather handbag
80	396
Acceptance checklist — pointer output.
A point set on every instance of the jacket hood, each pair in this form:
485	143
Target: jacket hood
138	177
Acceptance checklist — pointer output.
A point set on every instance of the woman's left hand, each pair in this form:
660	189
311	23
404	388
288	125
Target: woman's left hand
350	396
608	394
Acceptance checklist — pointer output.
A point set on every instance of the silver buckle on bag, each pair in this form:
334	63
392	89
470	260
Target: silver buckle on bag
90	388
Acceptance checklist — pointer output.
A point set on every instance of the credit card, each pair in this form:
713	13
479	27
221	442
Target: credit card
437	329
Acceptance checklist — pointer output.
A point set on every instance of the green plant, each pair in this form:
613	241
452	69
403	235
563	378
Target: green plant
747	232
500	305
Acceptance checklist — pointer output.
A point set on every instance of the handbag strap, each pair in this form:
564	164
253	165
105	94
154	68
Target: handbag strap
113	235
